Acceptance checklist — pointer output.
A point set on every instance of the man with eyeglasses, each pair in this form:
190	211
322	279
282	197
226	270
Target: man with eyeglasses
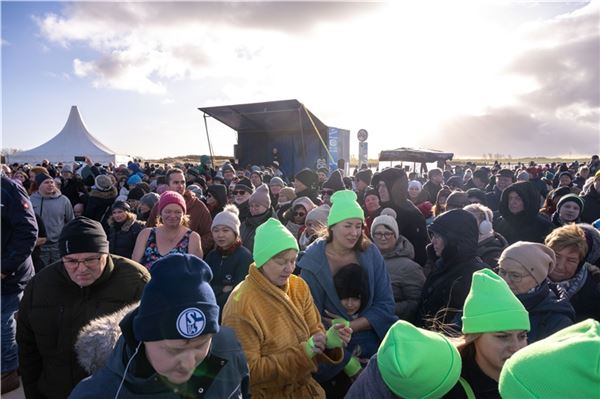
87	282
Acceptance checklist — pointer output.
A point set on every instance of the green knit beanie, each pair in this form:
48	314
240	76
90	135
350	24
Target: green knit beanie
491	306
271	238
564	365
416	363
344	206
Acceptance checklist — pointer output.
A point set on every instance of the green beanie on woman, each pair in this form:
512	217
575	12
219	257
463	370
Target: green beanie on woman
344	206
491	306
272	238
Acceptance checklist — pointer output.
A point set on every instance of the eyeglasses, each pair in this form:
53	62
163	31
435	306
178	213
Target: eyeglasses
301	214
387	235
512	276
240	192
87	262
327	192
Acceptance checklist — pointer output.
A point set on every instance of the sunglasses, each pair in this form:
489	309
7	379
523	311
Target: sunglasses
239	192
299	214
327	192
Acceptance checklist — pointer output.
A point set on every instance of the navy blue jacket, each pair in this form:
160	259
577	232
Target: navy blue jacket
19	233
549	311
228	270
222	374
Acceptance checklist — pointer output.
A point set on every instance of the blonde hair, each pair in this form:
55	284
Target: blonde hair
568	236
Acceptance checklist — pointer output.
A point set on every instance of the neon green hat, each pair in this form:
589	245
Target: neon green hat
564	365
416	363
491	306
344	206
272	238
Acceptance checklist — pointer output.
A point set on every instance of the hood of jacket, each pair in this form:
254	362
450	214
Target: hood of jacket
219	192
56	194
592	236
530	197
98	338
396	181
403	249
461	235
108	194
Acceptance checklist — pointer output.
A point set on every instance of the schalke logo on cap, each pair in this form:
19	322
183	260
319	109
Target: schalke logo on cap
191	322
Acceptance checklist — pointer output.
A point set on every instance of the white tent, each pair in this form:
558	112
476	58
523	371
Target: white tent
73	140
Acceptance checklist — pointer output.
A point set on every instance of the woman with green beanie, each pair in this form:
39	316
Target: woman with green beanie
495	325
277	323
345	243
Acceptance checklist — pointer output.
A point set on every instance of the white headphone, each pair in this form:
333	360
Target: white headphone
485	227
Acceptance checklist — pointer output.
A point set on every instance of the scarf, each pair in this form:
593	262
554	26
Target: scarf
574	284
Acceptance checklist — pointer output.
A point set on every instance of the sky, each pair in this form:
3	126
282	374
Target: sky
516	78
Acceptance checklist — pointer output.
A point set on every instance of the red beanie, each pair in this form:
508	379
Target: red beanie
171	197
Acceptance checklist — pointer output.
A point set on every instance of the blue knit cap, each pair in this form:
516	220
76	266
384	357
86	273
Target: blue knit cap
178	302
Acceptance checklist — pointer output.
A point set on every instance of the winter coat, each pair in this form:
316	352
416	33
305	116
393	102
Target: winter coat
228	269
407	278
549	311
483	386
449	282
248	228
490	249
244	209
55	210
583	291
122	238
52	312
378	308
74	190
222	374
312	194
431	191
527	225
19	233
370	384
411	222
98	205
591	206
492	199
273	325
200	220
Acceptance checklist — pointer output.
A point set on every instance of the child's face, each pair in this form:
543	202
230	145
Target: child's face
352	305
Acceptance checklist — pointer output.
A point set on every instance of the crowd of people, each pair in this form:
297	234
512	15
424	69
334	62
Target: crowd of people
186	280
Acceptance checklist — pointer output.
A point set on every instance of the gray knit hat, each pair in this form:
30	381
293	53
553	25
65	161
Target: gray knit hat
387	218
229	217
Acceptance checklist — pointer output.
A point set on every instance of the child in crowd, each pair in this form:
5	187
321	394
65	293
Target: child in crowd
350	285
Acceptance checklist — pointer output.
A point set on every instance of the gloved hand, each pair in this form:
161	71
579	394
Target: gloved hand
333	337
352	367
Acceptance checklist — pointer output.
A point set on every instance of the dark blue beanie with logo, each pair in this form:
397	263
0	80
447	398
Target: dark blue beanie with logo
178	302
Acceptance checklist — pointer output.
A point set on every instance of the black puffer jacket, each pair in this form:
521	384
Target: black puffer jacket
98	206
248	228
411	222
490	249
52	312
526	225
448	284
121	237
591	206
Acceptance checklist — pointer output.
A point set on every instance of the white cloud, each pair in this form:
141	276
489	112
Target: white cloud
398	69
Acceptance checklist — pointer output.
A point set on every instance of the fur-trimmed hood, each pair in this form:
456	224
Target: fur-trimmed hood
97	339
592	236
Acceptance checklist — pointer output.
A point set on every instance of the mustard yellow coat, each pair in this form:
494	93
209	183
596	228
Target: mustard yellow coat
273	324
